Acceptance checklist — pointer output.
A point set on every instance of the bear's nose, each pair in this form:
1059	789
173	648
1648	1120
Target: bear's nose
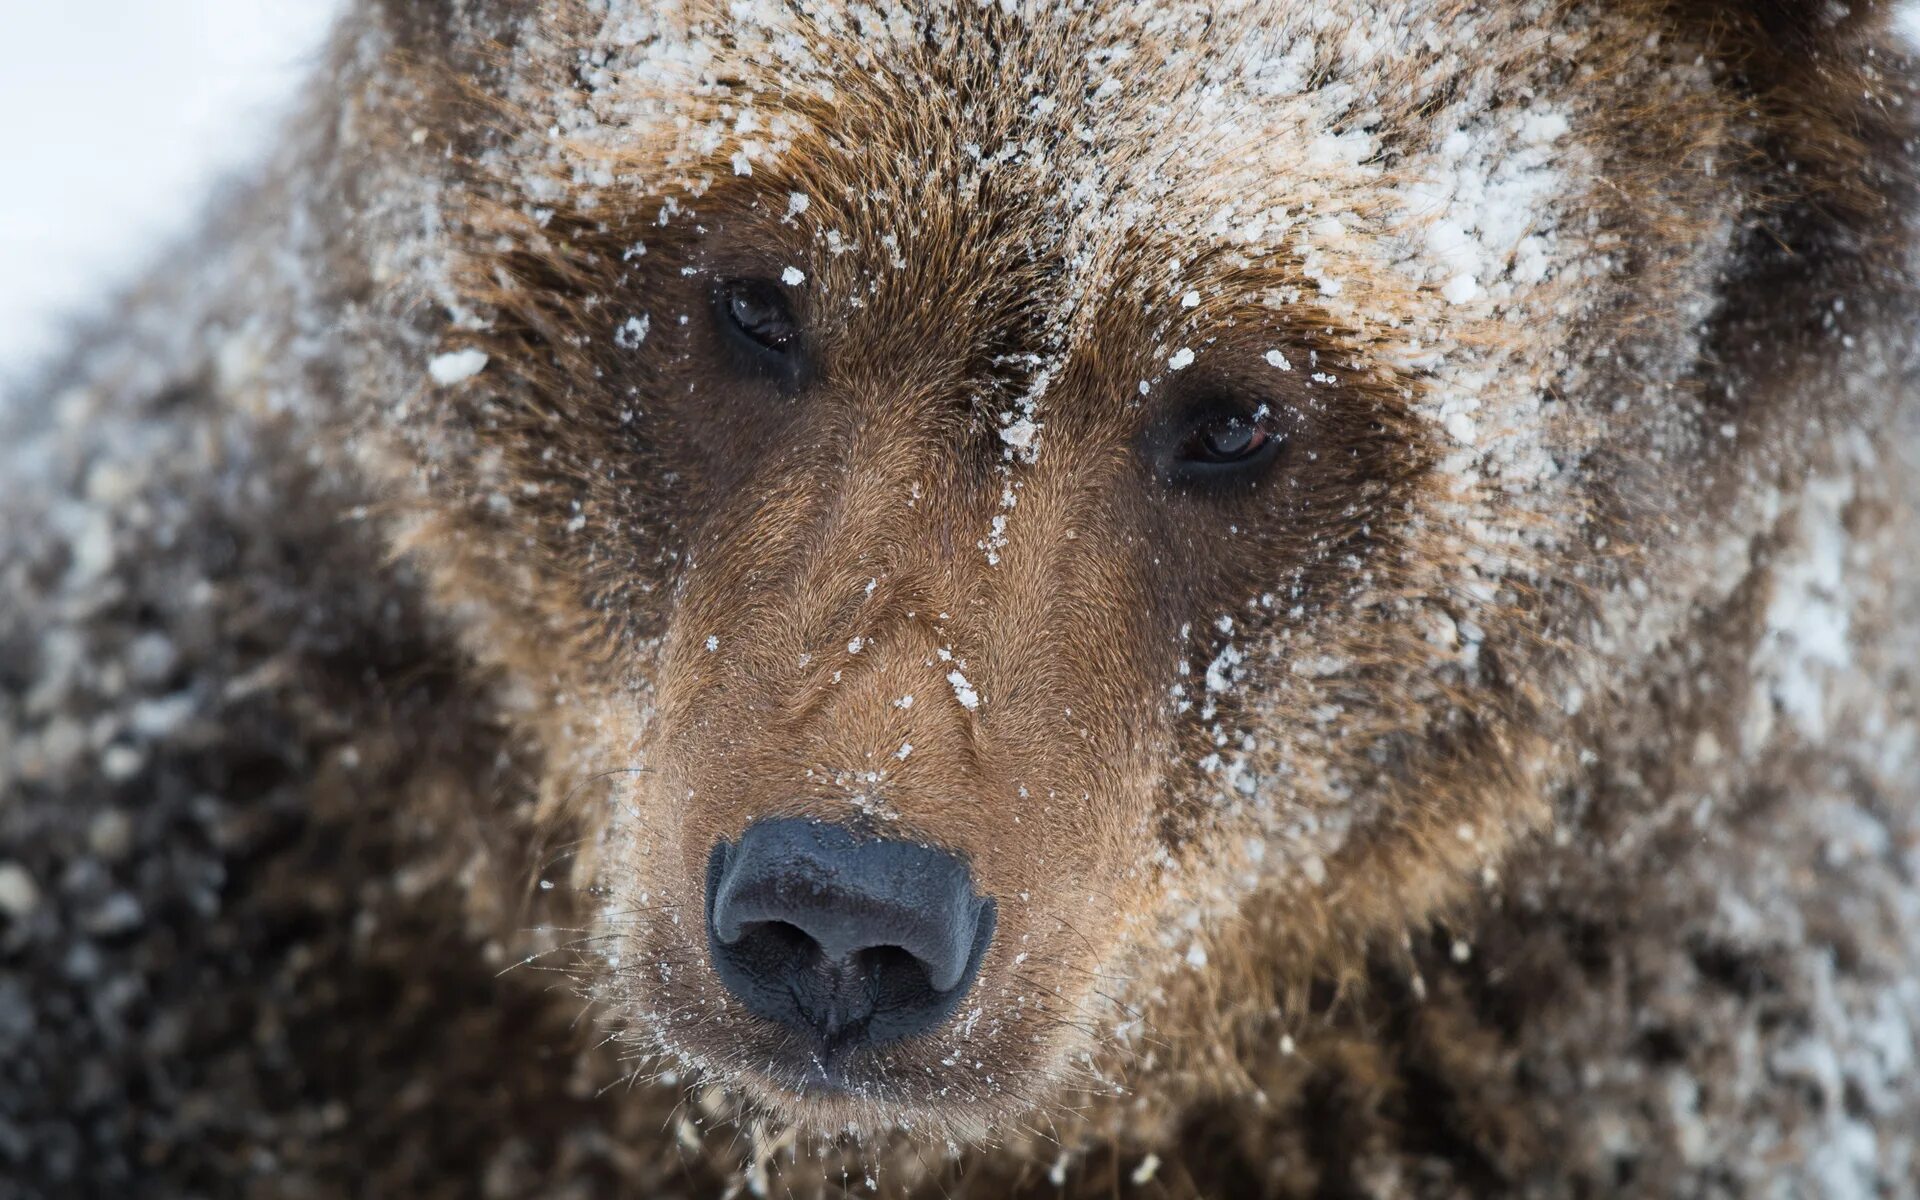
847	940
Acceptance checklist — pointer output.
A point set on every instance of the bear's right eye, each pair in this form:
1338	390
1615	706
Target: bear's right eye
754	316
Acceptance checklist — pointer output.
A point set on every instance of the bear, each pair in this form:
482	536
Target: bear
950	599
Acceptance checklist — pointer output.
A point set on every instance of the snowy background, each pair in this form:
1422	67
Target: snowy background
121	118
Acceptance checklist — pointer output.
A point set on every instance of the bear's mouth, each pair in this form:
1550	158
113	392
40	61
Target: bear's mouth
842	942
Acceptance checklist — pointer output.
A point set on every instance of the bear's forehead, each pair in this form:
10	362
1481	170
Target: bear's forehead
1325	146
1111	98
1415	180
1351	164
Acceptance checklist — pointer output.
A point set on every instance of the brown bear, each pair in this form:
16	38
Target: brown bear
986	599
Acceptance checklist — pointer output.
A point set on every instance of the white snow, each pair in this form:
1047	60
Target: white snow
963	691
19	895
632	332
1019	434
1148	1168
456	366
1807	616
1906	22
120	117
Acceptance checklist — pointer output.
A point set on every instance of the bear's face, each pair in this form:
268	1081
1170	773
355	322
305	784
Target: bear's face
971	543
1099	468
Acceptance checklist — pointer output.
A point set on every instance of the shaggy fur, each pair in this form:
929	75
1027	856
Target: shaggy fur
1513	792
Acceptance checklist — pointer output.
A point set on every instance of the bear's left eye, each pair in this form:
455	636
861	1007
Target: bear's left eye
1220	444
1227	440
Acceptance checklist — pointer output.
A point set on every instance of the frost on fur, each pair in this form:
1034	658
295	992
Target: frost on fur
1379	531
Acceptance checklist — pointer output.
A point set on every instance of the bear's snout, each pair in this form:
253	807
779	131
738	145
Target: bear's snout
846	940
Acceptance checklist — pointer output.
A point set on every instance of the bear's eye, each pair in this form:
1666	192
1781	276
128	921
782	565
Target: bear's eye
755	316
1226	440
1218	445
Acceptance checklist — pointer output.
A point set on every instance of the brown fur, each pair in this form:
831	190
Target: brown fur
687	599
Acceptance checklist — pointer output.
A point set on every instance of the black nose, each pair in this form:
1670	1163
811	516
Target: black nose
844	939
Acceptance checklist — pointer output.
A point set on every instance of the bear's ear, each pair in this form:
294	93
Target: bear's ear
1842	64
1794	29
437	30
1827	91
1805	25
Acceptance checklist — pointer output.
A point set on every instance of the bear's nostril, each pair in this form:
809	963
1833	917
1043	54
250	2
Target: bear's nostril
846	940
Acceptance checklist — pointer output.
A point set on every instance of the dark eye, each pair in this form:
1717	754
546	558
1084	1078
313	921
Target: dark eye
1218	446
756	316
1226	440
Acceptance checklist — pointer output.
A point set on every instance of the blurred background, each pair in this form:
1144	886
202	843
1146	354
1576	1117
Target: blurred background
120	118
